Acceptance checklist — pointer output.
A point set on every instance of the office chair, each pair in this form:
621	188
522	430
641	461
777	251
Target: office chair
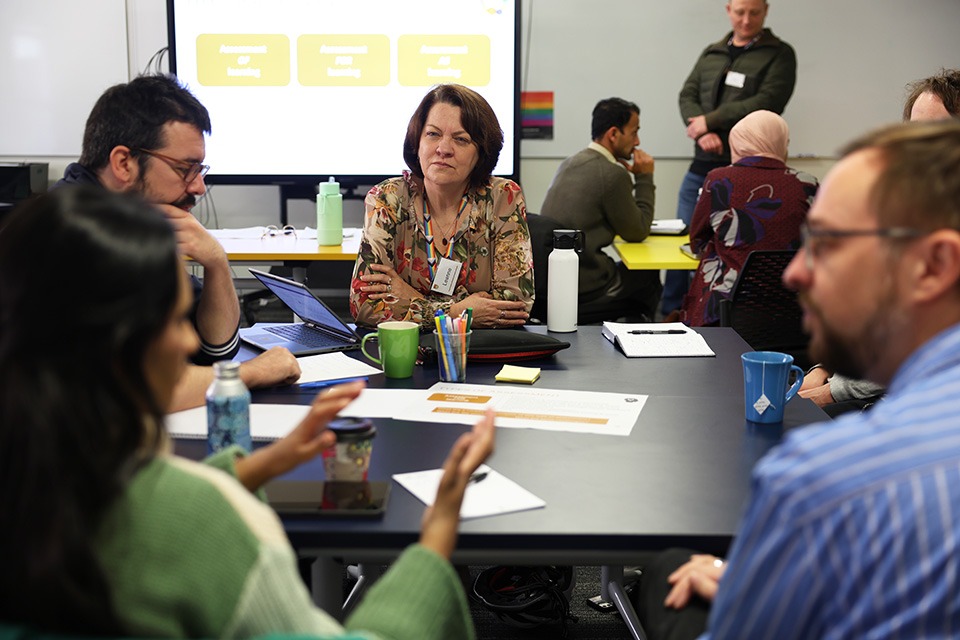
763	311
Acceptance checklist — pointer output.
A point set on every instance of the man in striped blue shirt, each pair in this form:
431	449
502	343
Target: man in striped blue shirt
853	527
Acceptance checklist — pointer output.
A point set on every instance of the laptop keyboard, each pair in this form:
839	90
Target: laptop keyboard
304	335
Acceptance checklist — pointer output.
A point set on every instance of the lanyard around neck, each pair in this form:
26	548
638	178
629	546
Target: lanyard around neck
428	229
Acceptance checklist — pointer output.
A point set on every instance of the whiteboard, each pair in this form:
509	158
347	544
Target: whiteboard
56	58
854	59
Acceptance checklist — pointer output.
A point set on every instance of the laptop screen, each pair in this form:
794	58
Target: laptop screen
303	303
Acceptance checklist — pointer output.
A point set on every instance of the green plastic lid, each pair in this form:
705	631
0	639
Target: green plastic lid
330	188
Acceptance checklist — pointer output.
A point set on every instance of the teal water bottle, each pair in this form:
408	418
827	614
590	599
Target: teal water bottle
329	214
228	409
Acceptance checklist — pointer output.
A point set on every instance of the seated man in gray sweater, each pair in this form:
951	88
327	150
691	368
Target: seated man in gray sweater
607	190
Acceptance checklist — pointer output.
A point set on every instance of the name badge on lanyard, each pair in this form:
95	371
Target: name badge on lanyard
444	272
445	279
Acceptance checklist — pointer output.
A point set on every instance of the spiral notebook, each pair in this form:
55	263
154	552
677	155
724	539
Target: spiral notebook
656	340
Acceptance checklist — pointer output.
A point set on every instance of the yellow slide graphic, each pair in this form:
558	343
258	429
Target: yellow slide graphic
243	60
353	60
426	60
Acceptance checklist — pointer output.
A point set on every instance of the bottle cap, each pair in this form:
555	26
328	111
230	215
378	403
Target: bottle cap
329	188
352	429
566	239
226	369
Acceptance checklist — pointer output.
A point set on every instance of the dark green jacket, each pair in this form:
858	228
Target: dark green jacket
770	67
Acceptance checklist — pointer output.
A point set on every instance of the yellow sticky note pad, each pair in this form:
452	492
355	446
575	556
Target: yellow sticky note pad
525	375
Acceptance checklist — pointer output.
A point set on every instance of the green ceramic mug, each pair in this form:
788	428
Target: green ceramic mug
399	342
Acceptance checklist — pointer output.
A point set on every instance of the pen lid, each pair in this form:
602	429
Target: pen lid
352	429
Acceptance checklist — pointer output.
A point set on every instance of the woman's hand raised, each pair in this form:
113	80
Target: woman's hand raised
304	442
441	521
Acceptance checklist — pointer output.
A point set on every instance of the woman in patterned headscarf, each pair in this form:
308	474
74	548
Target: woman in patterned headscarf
758	202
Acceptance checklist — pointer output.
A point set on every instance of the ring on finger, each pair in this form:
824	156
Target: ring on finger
389	287
501	314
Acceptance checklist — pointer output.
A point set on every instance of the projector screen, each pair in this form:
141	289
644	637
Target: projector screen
299	90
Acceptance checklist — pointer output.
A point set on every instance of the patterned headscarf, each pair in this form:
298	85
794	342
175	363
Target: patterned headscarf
761	133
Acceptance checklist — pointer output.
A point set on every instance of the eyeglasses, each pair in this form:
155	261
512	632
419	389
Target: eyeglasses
816	240
271	231
189	173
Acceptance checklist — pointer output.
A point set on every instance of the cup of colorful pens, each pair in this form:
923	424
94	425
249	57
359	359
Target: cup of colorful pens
452	336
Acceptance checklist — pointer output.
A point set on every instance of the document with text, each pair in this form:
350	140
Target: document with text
612	414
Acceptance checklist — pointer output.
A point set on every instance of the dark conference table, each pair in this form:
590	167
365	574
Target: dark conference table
681	478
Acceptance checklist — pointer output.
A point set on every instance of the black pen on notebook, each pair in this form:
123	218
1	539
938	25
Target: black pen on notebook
656	332
477	477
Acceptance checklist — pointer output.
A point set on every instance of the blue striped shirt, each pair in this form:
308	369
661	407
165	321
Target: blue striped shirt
853	526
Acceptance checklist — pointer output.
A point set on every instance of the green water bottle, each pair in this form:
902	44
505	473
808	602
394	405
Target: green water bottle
329	214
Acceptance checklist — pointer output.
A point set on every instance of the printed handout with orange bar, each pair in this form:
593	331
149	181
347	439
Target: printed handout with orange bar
601	413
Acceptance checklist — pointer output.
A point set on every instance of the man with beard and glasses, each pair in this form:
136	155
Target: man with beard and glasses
147	136
851	530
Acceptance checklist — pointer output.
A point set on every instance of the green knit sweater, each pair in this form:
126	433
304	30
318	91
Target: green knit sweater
189	552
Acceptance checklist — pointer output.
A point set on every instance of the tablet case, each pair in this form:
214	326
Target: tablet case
500	345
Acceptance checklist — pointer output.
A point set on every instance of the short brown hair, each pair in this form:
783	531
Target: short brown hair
945	85
919	183
478	120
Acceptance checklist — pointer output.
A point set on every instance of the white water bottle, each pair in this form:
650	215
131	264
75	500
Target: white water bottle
563	273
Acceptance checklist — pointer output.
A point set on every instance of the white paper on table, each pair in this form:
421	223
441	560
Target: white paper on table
333	366
493	495
600	413
255	233
267	421
383	403
669	226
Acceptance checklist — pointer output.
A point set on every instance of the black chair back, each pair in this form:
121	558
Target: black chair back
763	311
541	241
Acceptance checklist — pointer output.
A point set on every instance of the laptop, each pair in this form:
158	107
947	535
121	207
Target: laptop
320	332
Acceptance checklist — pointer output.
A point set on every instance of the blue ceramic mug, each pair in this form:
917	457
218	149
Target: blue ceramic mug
765	389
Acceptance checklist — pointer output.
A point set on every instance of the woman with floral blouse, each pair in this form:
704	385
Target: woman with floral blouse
446	235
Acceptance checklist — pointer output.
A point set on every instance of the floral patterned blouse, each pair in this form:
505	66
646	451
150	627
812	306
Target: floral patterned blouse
758	203
492	242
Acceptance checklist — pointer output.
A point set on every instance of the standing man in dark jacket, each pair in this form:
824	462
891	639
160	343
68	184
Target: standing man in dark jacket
749	69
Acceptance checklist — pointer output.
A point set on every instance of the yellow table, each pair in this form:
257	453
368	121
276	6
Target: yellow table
656	252
245	247
289	249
